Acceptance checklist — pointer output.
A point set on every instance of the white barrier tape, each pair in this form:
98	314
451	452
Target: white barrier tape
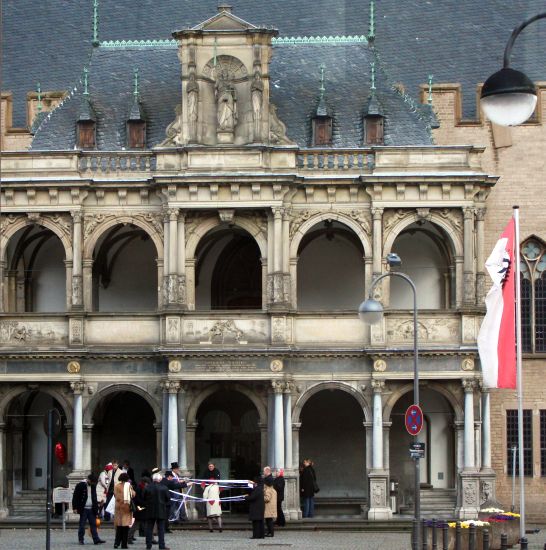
199	499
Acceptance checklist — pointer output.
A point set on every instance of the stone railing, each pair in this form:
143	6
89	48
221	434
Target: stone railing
119	161
358	160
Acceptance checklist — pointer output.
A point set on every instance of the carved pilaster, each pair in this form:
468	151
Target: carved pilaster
78	387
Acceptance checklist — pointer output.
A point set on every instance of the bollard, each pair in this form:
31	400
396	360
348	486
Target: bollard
523	543
486	539
434	535
504	542
472	537
458	536
424	534
445	537
414	535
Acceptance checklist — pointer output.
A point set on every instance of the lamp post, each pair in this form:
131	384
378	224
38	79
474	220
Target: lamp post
371	312
509	97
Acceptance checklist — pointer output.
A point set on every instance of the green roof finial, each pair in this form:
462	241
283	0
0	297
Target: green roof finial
39	91
85	81
322	88
135	91
371	31
95	41
429	99
372	77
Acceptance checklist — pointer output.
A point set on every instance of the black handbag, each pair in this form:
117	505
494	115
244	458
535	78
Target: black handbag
316	488
132	506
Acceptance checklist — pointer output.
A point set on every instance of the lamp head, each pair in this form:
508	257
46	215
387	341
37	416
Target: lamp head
393	259
508	97
370	311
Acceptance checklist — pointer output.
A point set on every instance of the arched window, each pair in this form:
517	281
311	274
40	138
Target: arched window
533	296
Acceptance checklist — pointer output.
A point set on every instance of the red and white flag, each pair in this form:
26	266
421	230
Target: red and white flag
497	337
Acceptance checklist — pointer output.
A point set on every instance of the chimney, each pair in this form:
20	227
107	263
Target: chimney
224	7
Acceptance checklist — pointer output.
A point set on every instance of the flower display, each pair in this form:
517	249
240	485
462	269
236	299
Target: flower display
467	523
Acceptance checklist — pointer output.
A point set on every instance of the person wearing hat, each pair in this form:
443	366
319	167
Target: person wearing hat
175	469
156	498
102	486
84	503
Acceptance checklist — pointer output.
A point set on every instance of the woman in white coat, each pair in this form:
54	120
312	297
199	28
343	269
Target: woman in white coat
214	508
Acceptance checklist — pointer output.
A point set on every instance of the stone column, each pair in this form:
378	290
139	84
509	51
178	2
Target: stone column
264	443
181	262
3	285
277	239
377	244
87	447
270	428
170	387
164	428
182	445
287	404
172	285
480	256
486	429
469	458
458	428
166	254
87	270
469	293
377	435
158	442
278	427
477	444
78	388
4	512
77	268
190	430
276	284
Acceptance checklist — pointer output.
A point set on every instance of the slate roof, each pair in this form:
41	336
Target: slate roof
295	77
457	41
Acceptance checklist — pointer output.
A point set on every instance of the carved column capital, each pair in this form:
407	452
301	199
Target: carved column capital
277	386
170	386
468	212
278	212
468	385
377	385
289	387
377	213
77	216
480	214
77	387
173	214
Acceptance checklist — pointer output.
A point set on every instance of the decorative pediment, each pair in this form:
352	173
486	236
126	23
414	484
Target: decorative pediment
224	21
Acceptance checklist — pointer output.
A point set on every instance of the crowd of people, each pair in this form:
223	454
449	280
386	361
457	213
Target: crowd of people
146	505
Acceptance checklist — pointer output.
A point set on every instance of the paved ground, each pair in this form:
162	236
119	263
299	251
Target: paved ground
34	539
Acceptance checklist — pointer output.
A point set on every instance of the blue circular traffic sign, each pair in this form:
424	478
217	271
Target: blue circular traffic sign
414	419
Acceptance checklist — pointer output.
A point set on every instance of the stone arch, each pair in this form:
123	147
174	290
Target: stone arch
197	401
6	400
331	385
337	216
439	388
91	240
452	233
89	411
210	223
22	221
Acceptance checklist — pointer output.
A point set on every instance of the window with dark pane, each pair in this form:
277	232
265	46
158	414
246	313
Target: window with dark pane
136	133
86	134
533	296
543	443
322	130
373	130
512	441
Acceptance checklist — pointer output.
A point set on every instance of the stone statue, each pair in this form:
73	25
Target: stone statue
192	92
226	103
256	94
277	129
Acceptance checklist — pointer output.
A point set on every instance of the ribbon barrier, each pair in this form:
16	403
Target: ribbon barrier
222	483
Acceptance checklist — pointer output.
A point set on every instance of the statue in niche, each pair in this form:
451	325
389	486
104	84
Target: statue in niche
256	93
192	91
226	103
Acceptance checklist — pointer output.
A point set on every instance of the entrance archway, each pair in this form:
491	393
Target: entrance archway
332	435
123	429
228	434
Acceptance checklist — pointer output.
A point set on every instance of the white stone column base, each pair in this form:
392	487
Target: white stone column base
291	504
379	508
469	495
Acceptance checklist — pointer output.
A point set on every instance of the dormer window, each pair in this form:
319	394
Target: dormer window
373	130
86	134
322	130
136	134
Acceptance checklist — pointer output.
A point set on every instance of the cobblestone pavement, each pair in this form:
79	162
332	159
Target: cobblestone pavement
34	539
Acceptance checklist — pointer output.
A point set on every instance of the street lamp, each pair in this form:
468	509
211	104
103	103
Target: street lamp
508	96
370	312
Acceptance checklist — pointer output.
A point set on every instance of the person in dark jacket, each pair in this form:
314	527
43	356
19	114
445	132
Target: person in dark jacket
172	485
256	509
278	485
84	502
139	514
308	488
156	498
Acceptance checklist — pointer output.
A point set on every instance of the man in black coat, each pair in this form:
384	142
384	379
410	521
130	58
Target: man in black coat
278	485
256	509
84	502
156	499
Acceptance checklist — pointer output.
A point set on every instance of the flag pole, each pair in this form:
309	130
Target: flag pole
519	375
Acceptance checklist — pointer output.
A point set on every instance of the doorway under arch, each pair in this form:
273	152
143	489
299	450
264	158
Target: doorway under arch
123	429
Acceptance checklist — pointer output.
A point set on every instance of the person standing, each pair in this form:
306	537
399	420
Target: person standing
270	499
278	485
214	508
130	472
102	486
156	498
114	478
256	508
308	488
84	503
139	513
123	516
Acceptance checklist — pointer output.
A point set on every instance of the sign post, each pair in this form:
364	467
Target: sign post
414	420
62	495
